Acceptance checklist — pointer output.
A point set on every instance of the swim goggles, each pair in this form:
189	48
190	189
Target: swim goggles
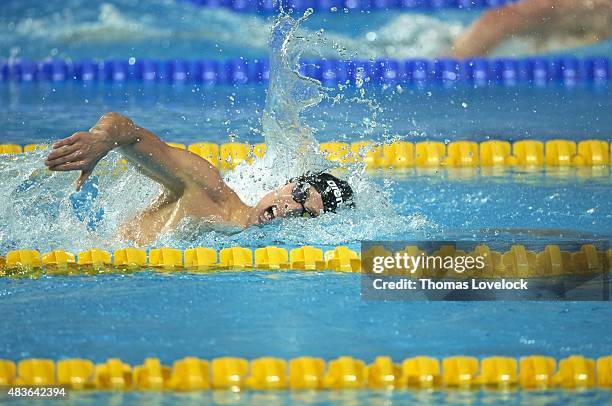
300	194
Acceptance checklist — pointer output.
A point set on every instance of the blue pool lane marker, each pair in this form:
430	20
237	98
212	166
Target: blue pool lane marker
566	70
267	6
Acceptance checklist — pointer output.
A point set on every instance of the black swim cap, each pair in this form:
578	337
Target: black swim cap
334	192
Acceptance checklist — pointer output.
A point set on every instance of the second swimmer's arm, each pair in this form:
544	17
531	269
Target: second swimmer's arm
500	23
175	169
589	19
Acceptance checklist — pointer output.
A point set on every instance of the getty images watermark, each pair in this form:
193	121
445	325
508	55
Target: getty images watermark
446	270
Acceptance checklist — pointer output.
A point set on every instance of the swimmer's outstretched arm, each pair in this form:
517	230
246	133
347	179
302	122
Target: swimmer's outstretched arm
175	169
536	18
497	24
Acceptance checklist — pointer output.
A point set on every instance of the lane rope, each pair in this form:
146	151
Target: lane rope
269	6
311	373
405	155
538	71
518	261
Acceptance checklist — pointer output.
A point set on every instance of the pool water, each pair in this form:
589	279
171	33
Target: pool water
287	314
187	113
291	314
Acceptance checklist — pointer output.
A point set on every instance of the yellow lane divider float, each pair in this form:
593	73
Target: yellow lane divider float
423	154
518	261
310	373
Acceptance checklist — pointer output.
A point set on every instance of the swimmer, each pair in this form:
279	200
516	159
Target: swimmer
574	22
192	187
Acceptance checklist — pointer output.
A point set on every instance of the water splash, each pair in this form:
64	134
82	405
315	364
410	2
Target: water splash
40	209
293	150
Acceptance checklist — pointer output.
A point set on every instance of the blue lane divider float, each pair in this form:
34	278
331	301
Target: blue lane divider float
475	71
267	6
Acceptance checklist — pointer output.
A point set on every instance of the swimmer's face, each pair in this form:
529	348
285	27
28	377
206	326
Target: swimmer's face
280	203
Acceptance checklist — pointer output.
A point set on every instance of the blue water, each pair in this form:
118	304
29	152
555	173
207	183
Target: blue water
291	314
41	112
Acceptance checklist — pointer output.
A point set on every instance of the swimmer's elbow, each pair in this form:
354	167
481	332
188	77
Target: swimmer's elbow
112	115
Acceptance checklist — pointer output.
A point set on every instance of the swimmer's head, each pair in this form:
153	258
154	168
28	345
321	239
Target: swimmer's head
308	195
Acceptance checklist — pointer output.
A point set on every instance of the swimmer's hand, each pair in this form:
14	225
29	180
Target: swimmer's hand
175	169
83	150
